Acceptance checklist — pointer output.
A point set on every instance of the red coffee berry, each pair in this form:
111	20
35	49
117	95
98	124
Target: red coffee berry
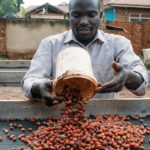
55	102
1	139
23	129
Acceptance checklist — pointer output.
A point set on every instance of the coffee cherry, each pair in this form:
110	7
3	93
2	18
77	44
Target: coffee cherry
23	129
55	102
1	139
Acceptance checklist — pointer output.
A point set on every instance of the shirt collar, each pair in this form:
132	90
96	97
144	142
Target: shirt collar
100	36
71	37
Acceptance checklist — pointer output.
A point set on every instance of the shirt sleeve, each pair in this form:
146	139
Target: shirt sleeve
126	56
40	68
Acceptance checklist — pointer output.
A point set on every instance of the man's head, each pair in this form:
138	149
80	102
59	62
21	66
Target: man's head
84	16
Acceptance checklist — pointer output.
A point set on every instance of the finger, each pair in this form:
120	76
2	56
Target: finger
99	84
59	98
48	86
98	90
118	79
48	96
48	101
116	88
116	66
52	98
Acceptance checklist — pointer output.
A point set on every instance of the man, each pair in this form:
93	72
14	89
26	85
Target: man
103	49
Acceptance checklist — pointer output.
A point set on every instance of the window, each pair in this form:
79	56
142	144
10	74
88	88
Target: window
139	19
133	17
110	14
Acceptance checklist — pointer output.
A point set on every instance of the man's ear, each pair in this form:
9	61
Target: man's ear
101	14
69	18
68	15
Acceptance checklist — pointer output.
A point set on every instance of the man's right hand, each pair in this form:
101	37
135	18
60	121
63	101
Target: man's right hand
42	90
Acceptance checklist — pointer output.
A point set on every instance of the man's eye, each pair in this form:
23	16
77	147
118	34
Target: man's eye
76	15
92	14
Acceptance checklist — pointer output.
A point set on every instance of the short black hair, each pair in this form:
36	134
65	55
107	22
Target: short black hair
98	4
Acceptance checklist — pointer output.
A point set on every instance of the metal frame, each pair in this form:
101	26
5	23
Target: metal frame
140	16
38	109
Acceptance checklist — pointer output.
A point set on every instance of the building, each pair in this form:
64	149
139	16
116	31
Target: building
127	10
46	11
27	10
63	8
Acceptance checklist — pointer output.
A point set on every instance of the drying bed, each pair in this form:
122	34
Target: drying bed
38	110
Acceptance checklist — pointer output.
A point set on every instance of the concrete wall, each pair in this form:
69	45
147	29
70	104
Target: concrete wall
46	16
24	36
20	38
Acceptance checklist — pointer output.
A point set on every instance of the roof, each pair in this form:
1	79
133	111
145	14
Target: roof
27	9
31	8
46	5
63	8
127	3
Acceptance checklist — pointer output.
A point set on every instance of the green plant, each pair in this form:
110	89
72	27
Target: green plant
3	58
23	11
142	57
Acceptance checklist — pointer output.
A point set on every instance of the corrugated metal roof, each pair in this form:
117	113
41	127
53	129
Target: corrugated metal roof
49	6
63	8
31	8
27	9
129	3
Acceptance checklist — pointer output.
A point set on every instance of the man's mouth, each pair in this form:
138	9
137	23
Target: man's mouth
84	30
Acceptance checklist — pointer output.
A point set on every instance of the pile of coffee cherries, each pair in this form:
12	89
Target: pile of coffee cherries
74	131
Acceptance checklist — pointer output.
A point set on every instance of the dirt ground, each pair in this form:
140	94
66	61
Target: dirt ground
15	93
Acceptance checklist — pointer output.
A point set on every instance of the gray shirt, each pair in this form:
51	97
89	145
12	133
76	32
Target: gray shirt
103	50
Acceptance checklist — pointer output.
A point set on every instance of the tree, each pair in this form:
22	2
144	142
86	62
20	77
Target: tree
7	6
22	11
19	2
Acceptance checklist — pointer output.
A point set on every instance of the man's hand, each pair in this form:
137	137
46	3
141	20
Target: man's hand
42	90
118	82
123	77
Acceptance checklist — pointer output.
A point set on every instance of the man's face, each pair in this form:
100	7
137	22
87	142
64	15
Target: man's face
84	19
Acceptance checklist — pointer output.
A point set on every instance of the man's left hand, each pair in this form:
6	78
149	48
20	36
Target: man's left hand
118	82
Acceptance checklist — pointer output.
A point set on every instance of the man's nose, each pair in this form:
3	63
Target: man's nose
84	21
